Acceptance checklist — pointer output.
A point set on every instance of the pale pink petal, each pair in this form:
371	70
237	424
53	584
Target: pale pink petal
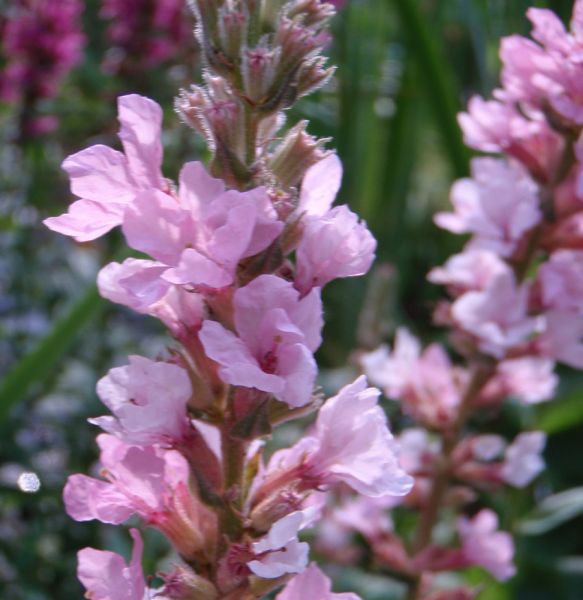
87	499
320	186
148	399
135	283
333	245
198	270
292	558
523	460
314	585
105	575
197	187
140	133
296	365
87	220
483	545
237	365
100	173
355	444
155	224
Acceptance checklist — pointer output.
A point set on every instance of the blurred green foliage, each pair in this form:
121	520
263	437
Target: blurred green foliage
405	68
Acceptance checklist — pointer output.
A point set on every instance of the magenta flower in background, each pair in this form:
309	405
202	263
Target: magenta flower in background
145	33
41	42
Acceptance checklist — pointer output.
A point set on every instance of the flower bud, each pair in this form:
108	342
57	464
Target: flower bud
184	584
190	105
232	27
295	155
314	13
313	75
259	69
274	508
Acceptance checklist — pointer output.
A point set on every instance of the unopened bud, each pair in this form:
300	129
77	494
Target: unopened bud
313	75
297	43
313	13
295	155
190	105
274	508
206	13
258	68
232	31
184	584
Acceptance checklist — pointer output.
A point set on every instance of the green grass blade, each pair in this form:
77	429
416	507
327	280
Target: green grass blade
439	83
38	364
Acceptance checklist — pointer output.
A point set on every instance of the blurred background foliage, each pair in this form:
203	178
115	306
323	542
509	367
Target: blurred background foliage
405	68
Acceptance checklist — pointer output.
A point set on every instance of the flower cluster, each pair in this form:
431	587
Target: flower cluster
514	307
234	271
151	32
41	42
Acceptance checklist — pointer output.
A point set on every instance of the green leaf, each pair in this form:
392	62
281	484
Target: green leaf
561	414
438	80
36	366
552	512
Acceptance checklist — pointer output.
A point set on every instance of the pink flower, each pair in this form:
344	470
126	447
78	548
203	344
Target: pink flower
561	281
351	443
320	186
106	180
417	450
487	447
523	461
106	576
137	284
149	482
277	334
531	379
148	400
547	73
497	126
473	269
499	205
368	516
561	338
280	552
427	383
497	316
312	584
203	234
486	547
333	245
